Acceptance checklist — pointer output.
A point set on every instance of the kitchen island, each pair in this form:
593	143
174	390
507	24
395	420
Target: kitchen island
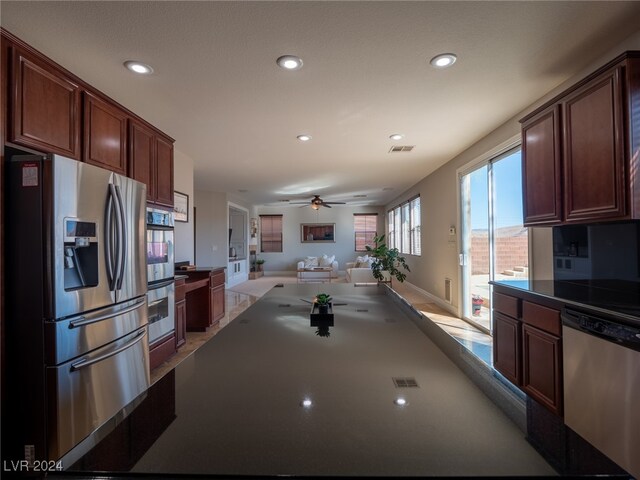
269	396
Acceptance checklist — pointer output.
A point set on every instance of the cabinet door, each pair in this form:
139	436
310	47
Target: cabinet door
542	367
46	107
105	135
217	304
164	172
506	346
594	176
542	169
142	157
181	323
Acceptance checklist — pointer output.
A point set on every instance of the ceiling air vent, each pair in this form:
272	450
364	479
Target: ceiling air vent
405	382
401	148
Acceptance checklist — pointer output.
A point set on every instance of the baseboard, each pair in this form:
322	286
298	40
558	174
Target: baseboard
437	300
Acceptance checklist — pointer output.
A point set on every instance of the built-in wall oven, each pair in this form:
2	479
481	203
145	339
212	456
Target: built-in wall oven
160	271
160	261
161	305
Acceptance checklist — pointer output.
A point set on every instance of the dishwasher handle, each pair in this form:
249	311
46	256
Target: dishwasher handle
615	332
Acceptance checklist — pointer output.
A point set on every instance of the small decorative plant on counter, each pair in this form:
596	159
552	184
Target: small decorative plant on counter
259	264
323	300
387	261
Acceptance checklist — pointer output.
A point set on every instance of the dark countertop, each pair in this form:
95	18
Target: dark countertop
234	407
199	269
614	298
180	276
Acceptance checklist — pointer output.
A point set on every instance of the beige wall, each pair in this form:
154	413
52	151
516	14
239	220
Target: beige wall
183	182
440	209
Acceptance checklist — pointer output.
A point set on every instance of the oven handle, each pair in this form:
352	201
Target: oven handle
83	321
86	363
156	302
164	283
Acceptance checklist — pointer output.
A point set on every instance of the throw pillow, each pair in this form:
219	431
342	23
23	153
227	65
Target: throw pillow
326	261
310	262
363	262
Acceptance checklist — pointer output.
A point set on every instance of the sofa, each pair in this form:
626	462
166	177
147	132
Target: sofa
360	270
321	261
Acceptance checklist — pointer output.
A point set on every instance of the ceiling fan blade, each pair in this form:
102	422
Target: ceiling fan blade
336	203
325	205
298	203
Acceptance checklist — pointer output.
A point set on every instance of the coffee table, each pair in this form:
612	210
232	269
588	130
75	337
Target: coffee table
320	278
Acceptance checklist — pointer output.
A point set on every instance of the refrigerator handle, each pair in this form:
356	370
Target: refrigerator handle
118	237
85	362
109	239
83	320
123	239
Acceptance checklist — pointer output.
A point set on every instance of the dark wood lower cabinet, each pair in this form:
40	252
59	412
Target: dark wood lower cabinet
181	323
161	350
506	349
542	367
181	312
527	347
205	298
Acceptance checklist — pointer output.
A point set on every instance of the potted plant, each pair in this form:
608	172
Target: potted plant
387	261
259	263
323	300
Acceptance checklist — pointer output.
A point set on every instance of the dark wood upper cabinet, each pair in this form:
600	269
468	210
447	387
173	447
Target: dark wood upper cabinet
594	180
45	106
142	165
105	134
541	168
580	151
151	162
164	171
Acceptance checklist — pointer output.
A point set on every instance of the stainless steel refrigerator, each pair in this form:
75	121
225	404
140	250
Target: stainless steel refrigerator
76	335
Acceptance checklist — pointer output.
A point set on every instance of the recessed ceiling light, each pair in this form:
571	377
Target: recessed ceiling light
396	136
289	62
138	67
444	60
304	137
400	402
306	403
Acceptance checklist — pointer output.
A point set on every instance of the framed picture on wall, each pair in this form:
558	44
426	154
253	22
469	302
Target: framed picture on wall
318	232
180	207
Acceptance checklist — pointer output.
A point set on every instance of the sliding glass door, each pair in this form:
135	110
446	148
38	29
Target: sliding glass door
494	241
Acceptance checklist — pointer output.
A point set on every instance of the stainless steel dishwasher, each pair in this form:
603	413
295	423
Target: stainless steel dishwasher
602	385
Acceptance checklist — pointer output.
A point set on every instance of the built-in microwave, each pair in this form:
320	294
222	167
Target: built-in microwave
160	260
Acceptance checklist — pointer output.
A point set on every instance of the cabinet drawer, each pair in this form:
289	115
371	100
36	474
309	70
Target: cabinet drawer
544	318
506	304
217	279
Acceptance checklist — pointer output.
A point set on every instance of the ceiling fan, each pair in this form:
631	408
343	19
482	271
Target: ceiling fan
317	202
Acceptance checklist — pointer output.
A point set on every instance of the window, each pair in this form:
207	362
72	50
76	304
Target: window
365	228
404	227
404	234
414	207
271	233
391	237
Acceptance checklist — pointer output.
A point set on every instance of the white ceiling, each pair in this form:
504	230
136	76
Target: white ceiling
218	91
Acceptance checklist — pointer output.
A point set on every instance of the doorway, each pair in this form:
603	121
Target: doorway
495	243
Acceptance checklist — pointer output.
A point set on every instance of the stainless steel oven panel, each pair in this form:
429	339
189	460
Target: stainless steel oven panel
160	271
69	338
88	391
161	308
